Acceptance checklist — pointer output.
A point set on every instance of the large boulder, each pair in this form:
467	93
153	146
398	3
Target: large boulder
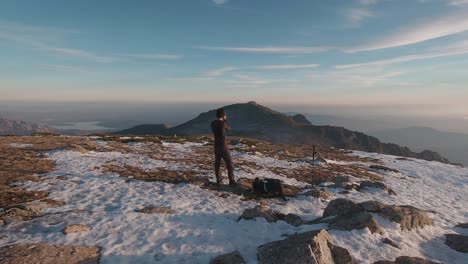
359	220
230	258
48	254
341	206
407	216
305	248
407	260
260	211
319	193
457	242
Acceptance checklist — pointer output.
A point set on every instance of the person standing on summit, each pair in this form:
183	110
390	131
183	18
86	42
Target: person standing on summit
221	150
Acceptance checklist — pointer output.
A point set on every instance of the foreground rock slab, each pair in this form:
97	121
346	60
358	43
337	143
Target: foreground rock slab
457	242
305	248
407	260
230	258
48	254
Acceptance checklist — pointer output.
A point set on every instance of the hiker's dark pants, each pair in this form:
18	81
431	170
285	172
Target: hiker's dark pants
226	156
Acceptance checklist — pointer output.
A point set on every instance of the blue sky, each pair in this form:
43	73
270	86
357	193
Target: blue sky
308	52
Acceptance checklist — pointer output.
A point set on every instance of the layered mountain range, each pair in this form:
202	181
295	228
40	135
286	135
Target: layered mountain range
22	128
257	121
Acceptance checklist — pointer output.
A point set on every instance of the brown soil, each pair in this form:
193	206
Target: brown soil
48	254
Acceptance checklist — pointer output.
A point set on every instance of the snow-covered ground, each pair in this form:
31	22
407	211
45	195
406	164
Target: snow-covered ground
205	225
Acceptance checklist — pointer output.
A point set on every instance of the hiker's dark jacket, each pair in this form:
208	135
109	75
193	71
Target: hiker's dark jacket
219	128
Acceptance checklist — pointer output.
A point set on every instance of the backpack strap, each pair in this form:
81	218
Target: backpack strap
264	185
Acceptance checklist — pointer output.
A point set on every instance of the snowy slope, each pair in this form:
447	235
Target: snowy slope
205	225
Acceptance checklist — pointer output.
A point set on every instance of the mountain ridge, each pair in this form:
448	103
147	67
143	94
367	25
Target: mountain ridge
257	121
22	128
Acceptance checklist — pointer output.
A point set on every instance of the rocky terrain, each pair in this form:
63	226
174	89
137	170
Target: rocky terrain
257	121
148	199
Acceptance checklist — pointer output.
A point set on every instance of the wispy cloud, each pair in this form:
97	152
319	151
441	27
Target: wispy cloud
220	2
60	67
430	29
458	2
362	77
219	72
81	54
456	49
287	67
273	49
41	38
156	56
356	16
367	2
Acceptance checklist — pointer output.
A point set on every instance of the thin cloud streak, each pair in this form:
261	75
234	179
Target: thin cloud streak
156	56
287	67
219	72
273	49
356	16
408	58
431	29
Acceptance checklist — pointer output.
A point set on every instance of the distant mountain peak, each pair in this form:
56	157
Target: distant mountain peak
301	119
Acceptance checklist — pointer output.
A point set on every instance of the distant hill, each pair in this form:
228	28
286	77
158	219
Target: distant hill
257	121
22	128
146	129
452	145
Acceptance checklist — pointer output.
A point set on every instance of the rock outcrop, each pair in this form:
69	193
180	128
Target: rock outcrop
305	248
260	122
407	216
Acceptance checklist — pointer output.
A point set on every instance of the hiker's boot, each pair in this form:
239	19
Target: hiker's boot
232	183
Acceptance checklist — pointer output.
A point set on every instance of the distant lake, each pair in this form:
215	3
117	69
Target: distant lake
81	126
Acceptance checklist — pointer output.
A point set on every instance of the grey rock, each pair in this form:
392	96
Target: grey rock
407	216
457	242
304	248
380	185
462	225
407	260
293	219
156	210
230	258
390	242
322	193
261	211
358	220
341	207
